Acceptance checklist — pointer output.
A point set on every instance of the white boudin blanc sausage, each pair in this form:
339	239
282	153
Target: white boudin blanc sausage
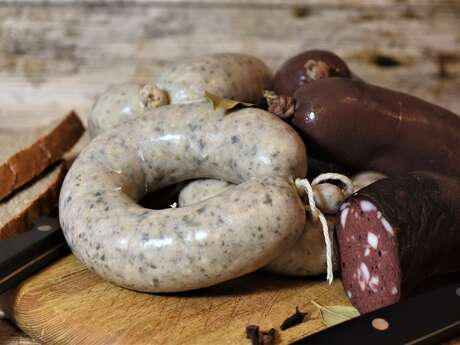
228	75
328	197
307	257
200	190
365	178
179	249
120	103
235	76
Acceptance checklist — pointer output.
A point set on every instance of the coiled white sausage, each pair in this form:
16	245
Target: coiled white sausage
227	75
181	249
307	257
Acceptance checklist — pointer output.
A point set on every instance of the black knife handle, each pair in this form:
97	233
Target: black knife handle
428	318
28	252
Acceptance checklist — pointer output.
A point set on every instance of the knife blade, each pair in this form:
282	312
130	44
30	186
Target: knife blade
26	253
428	318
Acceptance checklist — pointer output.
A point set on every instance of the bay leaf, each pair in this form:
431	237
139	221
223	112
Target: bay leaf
224	103
335	314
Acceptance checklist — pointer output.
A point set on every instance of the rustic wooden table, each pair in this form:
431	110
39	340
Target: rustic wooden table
56	55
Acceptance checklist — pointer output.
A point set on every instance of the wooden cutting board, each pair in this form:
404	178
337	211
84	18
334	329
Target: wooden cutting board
67	304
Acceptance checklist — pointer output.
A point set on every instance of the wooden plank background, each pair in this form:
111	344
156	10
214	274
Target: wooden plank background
57	55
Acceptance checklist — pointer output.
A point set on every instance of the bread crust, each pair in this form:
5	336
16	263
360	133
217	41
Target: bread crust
35	199
26	164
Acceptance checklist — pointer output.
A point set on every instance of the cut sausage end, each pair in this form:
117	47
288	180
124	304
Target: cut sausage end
369	258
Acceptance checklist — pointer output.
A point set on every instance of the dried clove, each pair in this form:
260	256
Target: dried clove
252	333
268	338
293	320
280	105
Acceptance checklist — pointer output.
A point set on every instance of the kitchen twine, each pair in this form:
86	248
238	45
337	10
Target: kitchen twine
304	186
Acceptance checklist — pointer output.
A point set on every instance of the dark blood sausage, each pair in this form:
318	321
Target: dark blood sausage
308	66
317	167
397	233
366	127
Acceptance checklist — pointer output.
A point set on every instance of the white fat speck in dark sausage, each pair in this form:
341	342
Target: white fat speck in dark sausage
178	249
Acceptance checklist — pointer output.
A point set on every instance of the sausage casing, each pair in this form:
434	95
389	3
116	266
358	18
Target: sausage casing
181	249
366	127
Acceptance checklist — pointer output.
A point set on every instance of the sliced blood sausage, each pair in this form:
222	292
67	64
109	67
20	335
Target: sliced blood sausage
395	234
366	127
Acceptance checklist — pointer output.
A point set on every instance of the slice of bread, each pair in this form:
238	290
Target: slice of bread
38	197
27	153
